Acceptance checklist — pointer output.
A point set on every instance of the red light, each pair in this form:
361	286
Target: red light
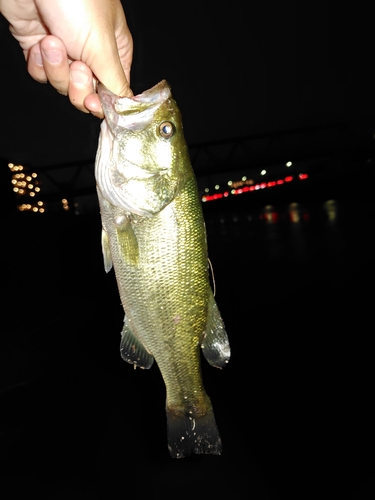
253	187
212	197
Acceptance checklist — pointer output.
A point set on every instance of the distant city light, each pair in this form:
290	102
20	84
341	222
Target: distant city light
263	172
24	187
288	163
247	185
65	204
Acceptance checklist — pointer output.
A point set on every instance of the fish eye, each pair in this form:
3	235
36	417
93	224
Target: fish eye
167	129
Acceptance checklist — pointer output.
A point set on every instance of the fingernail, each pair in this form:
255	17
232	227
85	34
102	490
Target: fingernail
53	56
38	58
80	79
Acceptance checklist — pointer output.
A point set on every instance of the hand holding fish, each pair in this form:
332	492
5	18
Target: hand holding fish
72	44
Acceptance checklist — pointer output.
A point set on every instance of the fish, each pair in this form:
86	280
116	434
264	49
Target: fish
154	236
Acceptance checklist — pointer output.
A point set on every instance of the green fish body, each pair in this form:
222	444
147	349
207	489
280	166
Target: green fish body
154	236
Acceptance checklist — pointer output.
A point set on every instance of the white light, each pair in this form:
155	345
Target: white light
230	183
288	163
217	186
263	172
244	178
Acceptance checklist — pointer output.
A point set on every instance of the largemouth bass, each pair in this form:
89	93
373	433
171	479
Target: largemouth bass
154	236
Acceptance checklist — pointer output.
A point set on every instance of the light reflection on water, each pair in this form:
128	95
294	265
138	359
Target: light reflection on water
281	231
291	244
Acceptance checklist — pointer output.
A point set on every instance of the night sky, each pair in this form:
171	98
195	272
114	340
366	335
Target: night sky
236	69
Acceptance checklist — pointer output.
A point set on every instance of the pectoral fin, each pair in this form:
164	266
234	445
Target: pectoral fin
132	350
128	244
215	345
106	251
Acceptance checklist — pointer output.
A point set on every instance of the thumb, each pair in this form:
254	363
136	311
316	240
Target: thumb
112	63
112	74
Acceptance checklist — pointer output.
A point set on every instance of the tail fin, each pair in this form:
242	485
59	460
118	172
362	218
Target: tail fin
188	434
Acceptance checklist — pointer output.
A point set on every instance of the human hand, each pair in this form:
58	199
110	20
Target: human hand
73	44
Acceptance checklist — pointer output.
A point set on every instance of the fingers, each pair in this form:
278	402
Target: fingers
35	64
48	61
81	85
92	103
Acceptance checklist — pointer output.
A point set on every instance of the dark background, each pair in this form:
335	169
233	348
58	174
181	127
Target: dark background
294	405
236	69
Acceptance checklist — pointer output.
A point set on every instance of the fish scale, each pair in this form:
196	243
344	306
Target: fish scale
154	236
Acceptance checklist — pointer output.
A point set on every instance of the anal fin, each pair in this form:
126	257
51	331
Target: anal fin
132	349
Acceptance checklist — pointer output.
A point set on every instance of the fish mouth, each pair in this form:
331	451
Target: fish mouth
133	113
